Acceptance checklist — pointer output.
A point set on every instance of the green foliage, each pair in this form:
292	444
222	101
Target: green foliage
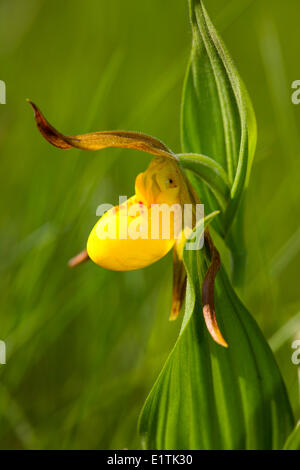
218	120
208	397
84	347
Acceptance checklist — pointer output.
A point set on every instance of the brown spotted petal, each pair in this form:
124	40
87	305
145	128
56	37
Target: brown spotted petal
100	140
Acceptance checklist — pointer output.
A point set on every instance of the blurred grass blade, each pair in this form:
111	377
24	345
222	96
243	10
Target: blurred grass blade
217	116
287	331
208	397
293	441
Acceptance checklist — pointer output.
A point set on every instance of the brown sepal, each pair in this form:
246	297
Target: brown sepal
100	140
208	293
179	282
78	259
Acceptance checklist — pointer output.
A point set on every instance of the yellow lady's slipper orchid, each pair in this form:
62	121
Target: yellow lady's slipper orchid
109	249
128	236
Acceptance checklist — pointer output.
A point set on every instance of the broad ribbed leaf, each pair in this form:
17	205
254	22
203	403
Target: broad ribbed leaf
217	118
293	441
209	397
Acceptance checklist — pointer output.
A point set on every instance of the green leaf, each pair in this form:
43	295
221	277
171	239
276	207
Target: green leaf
293	441
209	397
206	396
210	171
217	118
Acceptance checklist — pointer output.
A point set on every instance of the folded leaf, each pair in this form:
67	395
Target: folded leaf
211	172
217	119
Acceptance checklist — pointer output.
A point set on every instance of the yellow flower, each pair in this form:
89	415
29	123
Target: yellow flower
122	239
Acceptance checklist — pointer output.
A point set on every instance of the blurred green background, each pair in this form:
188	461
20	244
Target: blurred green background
85	346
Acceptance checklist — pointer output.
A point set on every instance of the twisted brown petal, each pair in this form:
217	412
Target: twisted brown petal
179	282
208	293
100	140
